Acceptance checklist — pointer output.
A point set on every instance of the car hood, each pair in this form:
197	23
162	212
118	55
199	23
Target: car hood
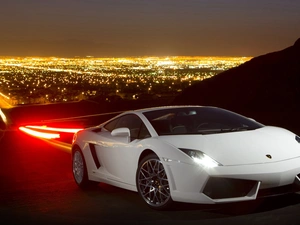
264	145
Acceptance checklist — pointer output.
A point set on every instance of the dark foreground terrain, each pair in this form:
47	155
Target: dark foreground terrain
37	187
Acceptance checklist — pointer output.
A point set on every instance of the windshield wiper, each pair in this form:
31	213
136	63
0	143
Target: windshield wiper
210	131
224	130
237	129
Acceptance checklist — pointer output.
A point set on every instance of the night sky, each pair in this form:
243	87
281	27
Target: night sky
117	28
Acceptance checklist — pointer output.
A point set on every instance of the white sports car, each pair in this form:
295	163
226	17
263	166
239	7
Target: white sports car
188	154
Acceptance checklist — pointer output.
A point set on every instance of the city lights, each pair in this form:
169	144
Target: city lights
48	80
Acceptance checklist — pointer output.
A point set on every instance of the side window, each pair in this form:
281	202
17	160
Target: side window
144	133
137	128
111	125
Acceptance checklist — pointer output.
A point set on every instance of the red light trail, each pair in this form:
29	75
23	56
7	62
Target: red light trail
47	132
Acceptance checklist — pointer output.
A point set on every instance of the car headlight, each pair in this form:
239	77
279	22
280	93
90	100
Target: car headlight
201	158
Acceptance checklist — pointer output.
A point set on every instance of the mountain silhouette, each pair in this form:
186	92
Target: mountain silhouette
267	83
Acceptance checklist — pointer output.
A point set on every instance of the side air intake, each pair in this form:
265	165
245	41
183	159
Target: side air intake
94	155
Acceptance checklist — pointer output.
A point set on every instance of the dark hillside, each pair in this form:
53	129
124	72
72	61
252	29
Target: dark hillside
31	114
268	82
82	113
266	87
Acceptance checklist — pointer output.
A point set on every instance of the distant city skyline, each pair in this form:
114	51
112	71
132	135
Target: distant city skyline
122	28
48	80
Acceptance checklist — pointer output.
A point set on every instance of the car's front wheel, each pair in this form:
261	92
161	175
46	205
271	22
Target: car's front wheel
152	183
79	168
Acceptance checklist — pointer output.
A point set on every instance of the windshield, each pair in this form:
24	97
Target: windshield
198	120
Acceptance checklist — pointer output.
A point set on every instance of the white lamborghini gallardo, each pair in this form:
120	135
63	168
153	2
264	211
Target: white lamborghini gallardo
188	154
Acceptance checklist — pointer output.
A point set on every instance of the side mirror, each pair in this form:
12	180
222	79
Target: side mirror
121	132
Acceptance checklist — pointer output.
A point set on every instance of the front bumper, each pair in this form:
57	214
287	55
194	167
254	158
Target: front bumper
191	183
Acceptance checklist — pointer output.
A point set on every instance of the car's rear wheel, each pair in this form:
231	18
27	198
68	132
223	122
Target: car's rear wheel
79	168
152	183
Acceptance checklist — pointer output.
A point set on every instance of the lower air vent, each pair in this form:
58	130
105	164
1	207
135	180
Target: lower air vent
219	188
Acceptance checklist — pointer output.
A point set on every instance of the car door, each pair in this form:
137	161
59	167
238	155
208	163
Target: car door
118	154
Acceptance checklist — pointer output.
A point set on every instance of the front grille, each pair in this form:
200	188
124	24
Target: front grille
220	188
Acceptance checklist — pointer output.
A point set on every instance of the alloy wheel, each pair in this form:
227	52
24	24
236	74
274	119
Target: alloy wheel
78	167
153	183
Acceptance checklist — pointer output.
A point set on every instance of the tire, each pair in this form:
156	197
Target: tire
152	183
79	168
